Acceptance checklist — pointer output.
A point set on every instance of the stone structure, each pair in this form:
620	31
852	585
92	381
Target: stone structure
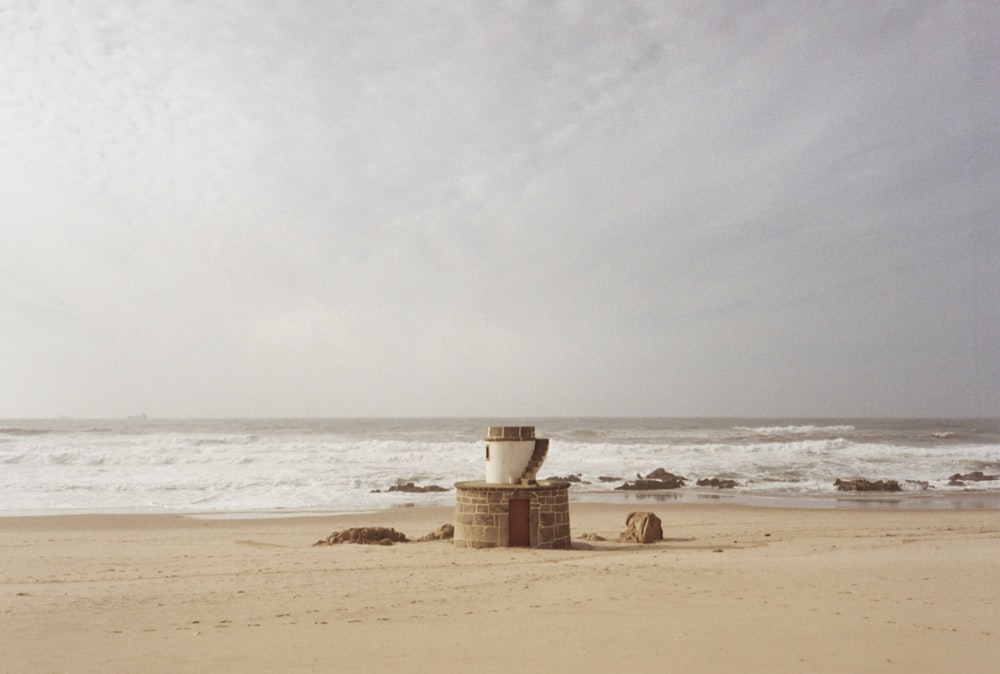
511	508
483	513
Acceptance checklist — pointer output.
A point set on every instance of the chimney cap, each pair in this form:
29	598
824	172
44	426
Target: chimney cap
510	433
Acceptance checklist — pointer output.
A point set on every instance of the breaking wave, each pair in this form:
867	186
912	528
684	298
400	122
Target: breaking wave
264	465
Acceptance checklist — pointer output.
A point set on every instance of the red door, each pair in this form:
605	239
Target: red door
519	517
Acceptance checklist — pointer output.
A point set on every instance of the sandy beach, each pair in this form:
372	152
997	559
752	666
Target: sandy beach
731	588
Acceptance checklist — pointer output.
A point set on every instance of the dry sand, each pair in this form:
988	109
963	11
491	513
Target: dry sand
730	589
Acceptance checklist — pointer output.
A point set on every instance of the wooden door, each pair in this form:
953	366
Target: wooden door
519	519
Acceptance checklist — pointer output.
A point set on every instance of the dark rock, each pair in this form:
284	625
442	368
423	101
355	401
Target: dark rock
959	480
642	528
411	488
662	474
717	482
644	485
867	485
364	536
445	532
575	478
658	479
606	478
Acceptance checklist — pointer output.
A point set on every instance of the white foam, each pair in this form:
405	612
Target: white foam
229	467
795	430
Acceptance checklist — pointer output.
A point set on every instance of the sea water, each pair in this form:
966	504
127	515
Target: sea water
322	465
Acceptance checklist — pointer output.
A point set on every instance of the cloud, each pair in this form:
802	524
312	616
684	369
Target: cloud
527	208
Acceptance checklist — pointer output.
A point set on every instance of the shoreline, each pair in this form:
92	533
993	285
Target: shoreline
886	501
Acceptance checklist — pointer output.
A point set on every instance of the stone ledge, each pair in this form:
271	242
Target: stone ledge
542	485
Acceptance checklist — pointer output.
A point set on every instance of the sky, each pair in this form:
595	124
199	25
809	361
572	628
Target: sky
233	208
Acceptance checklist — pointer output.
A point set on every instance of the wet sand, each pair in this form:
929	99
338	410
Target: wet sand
732	588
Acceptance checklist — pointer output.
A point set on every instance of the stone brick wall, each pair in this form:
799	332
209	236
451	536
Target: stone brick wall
482	514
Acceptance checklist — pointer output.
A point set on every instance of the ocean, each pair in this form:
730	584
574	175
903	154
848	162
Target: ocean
236	467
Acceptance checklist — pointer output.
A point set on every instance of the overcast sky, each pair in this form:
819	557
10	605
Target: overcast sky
312	208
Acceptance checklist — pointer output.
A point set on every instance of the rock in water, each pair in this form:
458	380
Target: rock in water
717	482
642	528
959	480
867	485
412	488
658	479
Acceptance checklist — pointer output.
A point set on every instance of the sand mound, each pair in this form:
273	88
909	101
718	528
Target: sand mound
364	536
